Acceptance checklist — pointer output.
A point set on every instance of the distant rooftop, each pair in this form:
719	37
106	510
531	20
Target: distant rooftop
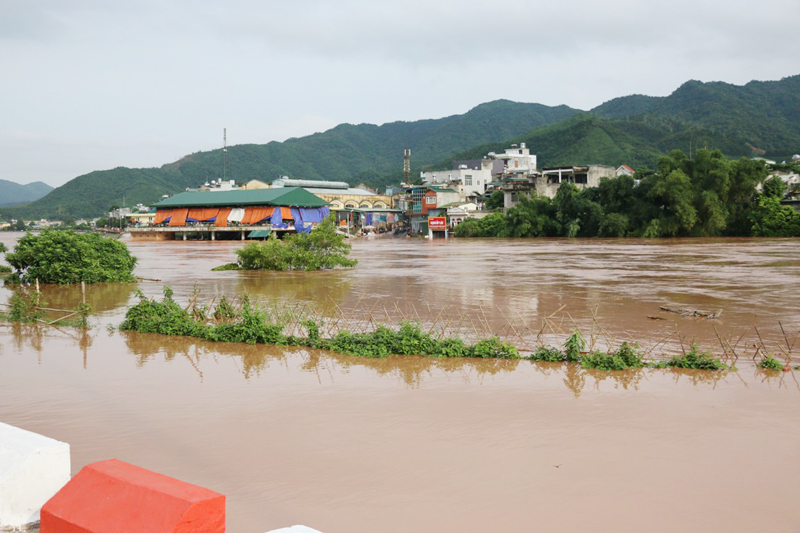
321	186
285	196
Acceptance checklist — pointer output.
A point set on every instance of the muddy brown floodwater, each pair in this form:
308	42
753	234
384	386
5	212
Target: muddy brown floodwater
351	445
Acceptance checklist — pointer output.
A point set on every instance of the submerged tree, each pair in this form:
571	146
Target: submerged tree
322	248
68	257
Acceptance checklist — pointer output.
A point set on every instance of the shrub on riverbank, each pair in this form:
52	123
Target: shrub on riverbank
65	257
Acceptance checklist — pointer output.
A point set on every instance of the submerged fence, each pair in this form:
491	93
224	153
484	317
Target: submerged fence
529	333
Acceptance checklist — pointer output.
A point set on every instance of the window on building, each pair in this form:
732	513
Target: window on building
430	200
468	179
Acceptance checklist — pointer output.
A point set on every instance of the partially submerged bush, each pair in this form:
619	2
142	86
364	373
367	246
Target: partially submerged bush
250	327
573	346
694	359
25	306
247	323
548	354
68	257
322	248
494	348
770	363
626	356
165	317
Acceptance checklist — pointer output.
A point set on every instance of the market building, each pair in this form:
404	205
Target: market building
234	214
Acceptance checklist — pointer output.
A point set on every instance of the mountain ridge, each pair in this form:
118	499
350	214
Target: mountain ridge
12	193
760	117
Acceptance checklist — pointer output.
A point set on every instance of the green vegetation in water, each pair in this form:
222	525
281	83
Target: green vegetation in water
694	359
547	354
247	323
4	269
770	363
573	347
624	357
65	257
226	323
226	266
322	248
25	306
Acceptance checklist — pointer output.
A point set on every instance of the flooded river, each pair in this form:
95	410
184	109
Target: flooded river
351	445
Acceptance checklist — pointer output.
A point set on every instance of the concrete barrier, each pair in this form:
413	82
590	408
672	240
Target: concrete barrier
32	468
116	496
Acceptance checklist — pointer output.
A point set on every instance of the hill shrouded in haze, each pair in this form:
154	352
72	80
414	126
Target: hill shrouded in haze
13	193
759	118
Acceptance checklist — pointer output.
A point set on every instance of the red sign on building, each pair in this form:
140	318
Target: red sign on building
437	223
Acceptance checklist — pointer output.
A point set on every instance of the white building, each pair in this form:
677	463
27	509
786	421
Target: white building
471	178
465	180
516	160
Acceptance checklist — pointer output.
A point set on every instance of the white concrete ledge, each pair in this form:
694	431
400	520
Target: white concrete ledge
294	529
32	469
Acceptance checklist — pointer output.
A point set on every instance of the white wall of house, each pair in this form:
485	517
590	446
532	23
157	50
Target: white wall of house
518	158
466	181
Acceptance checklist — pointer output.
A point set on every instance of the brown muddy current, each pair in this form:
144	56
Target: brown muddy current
351	445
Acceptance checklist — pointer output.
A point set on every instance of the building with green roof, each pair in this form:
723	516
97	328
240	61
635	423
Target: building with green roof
230	214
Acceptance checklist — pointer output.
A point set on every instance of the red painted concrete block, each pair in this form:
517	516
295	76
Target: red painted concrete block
112	496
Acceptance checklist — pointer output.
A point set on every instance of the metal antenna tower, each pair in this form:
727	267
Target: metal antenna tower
406	164
224	154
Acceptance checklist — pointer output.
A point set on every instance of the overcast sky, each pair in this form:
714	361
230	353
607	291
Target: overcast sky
95	84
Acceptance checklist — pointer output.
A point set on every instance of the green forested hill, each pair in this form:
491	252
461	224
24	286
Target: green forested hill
14	193
760	118
92	194
366	152
587	139
352	153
